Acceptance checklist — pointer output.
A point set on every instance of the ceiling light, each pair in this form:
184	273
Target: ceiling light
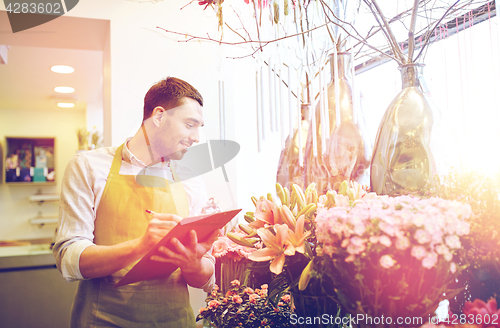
64	89
63	69
66	105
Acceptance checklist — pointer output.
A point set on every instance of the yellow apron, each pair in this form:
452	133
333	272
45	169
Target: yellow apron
121	216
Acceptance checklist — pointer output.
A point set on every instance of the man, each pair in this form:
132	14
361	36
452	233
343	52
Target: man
116	204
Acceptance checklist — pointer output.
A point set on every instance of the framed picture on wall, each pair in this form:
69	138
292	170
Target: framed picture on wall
29	160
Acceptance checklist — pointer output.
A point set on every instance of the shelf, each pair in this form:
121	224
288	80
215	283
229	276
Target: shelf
40	198
48	183
44	220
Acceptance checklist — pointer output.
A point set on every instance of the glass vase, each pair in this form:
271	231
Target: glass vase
289	169
347	155
403	161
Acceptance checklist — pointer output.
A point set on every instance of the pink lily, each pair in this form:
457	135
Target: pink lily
298	237
277	247
266	213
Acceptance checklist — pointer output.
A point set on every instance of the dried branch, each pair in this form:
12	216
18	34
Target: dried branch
411	37
262	43
432	30
360	39
388	32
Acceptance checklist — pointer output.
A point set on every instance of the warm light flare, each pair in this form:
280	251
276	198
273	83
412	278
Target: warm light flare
66	105
62	69
64	89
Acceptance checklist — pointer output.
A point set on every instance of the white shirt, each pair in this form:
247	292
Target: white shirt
81	192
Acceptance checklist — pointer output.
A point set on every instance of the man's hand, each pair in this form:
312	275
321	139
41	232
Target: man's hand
159	226
188	257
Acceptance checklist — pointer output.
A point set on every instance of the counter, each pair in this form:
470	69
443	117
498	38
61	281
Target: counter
32	290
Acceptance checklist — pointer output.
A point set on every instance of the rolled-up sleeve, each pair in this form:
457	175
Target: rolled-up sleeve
209	285
76	218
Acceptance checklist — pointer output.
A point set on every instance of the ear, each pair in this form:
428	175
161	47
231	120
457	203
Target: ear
157	115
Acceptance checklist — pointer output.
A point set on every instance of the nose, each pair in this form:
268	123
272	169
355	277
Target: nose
195	135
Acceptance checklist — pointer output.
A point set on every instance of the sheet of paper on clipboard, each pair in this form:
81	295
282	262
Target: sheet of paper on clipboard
204	225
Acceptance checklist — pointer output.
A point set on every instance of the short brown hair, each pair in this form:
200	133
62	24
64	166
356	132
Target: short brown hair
167	92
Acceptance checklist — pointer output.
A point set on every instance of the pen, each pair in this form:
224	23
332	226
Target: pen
150	212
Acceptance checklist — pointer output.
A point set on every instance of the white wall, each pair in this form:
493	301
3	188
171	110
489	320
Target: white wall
15	208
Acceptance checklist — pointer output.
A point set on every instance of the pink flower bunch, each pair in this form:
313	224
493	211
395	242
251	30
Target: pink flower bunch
223	246
429	228
245	306
483	314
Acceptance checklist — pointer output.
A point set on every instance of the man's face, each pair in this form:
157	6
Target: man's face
178	129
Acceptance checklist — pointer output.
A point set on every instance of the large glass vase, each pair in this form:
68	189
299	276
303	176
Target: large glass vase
402	160
347	155
290	170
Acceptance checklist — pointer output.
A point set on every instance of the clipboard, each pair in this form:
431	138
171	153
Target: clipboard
204	225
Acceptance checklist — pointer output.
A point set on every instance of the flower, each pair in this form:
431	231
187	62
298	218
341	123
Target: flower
422	236
386	241
402	243
382	244
418	252
243	308
430	260
386	261
266	214
479	310
237	299
453	241
277	246
298	237
224	247
453	267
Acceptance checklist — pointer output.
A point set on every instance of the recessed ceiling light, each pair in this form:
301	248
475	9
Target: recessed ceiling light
66	105
63	69
64	89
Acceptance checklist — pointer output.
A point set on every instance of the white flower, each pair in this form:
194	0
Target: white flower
402	243
386	261
386	241
430	260
418	252
422	236
442	249
453	267
448	256
453	241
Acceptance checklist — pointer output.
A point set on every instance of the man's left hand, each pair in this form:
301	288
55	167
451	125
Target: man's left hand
188	257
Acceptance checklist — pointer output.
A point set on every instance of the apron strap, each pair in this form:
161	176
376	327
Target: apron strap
174	173
117	161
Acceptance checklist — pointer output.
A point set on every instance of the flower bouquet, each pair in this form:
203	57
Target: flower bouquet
243	306
392	257
285	235
235	264
482	245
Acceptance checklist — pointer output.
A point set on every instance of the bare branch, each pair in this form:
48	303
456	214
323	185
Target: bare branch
388	33
411	37
432	30
360	39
